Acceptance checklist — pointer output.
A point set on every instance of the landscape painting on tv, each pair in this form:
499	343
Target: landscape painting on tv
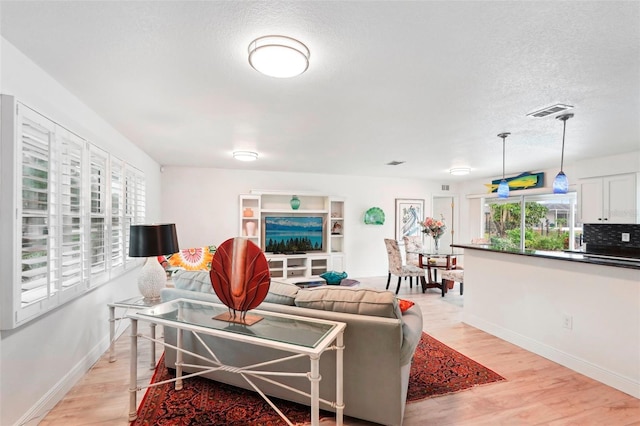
293	234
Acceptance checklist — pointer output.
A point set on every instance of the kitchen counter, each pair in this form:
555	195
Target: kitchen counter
594	259
580	311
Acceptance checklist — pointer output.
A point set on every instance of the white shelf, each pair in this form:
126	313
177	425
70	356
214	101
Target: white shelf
290	210
262	204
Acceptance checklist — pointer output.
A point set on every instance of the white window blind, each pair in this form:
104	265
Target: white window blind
35	142
98	212
134	202
67	205
72	242
117	213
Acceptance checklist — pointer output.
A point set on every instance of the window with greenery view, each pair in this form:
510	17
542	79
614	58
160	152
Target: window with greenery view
547	222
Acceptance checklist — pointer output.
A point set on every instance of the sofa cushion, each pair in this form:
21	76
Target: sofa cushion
281	293
193	281
363	301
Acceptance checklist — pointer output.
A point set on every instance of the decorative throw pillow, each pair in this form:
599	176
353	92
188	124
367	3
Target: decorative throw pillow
192	259
405	304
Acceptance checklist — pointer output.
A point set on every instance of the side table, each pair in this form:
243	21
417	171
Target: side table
135	303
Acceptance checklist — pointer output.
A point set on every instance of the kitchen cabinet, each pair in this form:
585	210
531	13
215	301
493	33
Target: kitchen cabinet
608	199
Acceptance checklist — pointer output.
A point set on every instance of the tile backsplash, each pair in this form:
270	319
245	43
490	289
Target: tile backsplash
607	238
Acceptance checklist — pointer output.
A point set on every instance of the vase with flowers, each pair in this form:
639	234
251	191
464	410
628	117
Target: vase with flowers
435	229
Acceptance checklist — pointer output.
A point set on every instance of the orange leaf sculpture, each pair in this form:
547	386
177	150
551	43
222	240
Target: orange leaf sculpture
240	275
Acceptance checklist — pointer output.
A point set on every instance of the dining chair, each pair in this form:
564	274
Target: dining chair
396	267
412	245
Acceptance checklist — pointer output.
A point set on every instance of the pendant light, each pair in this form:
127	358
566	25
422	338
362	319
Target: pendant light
561	183
503	188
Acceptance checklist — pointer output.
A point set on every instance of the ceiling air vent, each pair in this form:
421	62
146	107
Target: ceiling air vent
445	187
395	163
553	109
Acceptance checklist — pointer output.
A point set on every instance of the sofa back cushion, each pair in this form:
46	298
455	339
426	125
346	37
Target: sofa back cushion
193	281
362	301
281	293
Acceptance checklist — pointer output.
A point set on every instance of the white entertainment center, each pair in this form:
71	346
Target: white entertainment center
257	206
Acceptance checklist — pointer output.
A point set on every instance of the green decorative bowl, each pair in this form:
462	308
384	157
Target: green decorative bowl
333	277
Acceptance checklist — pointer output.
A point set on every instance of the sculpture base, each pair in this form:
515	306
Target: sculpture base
247	320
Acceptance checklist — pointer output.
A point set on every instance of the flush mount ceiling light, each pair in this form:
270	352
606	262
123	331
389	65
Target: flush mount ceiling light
561	183
278	56
503	188
245	155
460	171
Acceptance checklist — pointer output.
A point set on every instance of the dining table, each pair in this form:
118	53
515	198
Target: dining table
432	262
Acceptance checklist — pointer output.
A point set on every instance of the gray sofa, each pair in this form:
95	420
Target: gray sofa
379	344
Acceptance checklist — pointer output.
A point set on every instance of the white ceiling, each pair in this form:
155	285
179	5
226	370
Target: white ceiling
430	83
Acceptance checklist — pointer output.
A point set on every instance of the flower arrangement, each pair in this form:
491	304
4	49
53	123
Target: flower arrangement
434	228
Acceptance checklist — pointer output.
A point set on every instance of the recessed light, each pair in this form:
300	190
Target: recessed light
245	155
460	171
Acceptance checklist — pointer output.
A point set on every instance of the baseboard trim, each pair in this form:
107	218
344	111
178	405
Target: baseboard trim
596	372
49	400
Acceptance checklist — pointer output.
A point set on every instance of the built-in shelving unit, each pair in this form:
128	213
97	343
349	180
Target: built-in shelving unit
258	205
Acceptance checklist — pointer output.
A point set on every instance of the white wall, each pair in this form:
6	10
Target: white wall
41	360
204	205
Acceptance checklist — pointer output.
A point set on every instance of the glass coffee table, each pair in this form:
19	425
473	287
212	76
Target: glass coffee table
302	336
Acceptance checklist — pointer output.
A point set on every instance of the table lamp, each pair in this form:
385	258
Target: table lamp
151	241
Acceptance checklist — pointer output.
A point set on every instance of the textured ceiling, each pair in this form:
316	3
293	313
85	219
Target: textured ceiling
430	83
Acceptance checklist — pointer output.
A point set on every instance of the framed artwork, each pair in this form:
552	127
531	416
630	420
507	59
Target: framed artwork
409	214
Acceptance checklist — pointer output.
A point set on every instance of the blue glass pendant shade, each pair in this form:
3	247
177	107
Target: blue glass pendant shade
503	189
560	184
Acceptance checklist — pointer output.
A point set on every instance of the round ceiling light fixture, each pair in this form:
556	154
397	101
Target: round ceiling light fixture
278	56
245	155
460	171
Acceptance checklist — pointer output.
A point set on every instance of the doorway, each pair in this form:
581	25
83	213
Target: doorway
444	207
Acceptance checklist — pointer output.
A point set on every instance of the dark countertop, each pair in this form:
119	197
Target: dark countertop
632	263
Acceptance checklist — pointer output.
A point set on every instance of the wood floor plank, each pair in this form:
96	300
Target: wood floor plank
537	391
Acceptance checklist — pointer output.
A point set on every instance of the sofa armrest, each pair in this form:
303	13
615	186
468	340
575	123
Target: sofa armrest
411	333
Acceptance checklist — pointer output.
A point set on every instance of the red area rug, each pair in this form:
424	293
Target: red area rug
436	370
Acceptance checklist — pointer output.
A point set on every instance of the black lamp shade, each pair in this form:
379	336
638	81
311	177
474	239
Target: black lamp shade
152	240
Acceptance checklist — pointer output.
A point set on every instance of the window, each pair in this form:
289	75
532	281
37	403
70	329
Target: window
68	206
98	215
547	222
117	213
134	211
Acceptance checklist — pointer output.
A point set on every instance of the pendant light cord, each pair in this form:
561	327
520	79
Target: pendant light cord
564	129
564	118
503	156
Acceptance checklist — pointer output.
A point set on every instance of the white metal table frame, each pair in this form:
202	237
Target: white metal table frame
132	303
335	334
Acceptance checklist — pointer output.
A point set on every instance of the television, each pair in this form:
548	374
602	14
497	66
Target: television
293	234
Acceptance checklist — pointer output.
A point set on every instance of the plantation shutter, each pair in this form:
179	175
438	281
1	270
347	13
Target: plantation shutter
72	244
135	202
117	213
36	135
98	214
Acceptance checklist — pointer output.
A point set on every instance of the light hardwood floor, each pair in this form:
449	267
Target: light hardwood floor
536	392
